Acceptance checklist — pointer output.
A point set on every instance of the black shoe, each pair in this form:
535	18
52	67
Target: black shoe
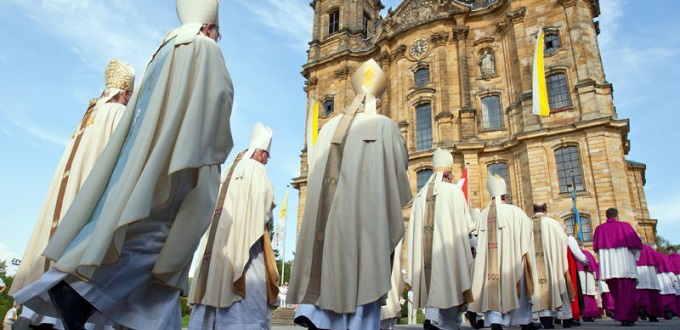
627	323
558	321
429	326
668	313
305	322
496	326
547	322
588	319
531	326
567	323
576	323
72	308
642	314
472	318
610	313
653	319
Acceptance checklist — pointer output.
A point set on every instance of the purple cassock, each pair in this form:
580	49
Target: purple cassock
667	277
675	259
647	296
590	309
617	267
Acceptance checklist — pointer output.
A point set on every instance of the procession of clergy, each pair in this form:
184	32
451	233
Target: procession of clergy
114	250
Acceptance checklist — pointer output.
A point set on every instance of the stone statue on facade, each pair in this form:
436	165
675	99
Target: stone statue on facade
487	64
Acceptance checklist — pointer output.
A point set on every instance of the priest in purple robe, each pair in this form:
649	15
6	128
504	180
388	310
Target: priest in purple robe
647	295
588	277
618	248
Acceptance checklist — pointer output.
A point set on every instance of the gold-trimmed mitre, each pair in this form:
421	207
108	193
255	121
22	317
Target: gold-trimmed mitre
442	161
197	11
119	75
369	79
496	186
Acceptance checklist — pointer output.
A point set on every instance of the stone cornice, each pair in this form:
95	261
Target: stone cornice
517	16
568	3
310	84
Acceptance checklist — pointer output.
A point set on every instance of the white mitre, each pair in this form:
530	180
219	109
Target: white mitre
118	76
496	186
369	81
260	138
193	14
442	161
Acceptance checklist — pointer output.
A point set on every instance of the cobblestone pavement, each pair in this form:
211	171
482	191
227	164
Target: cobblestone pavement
598	324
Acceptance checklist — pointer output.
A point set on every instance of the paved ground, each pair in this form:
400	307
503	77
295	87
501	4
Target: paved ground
599	324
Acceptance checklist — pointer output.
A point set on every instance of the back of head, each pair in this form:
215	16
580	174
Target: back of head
612	213
118	76
540	208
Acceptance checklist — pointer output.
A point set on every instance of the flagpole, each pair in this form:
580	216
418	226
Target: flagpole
283	256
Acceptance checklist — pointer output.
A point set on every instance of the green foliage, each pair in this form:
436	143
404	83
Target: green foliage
286	275
662	244
6	300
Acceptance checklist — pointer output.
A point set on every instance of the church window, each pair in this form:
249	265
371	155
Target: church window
558	91
551	43
364	26
491	112
333	21
423	127
568	164
501	169
423	176
585	228
328	107
422	77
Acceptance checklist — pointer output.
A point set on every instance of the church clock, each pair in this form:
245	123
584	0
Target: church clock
419	48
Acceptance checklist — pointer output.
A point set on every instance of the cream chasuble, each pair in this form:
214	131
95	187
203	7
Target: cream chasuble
550	243
353	244
82	151
175	131
449	260
505	252
246	209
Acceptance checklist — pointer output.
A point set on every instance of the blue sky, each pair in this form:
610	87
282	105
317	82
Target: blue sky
54	52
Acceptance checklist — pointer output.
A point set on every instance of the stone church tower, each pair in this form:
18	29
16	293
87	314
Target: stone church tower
460	78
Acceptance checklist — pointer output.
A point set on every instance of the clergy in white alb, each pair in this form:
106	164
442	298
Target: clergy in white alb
357	185
82	151
503	271
391	310
439	257
231	283
552	284
123	249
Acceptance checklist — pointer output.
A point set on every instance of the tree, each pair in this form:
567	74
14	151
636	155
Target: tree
662	244
6	300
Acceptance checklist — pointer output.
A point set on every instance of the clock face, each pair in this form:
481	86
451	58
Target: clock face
419	48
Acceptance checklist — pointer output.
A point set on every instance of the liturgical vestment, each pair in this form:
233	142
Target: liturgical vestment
551	265
347	263
131	232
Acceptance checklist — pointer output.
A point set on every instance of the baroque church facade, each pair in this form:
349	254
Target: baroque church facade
460	78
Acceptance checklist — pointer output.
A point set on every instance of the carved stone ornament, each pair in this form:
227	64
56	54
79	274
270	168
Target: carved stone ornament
439	38
487	64
461	32
502	28
568	3
310	84
419	12
383	58
517	16
343	73
399	52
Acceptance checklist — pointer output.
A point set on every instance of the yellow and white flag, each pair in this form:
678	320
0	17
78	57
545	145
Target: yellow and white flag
312	128
284	206
539	89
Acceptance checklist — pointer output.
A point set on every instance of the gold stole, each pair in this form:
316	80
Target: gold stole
544	294
201	281
492	262
78	136
329	185
271	271
428	231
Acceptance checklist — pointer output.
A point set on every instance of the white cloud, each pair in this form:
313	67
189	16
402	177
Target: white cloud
291	19
611	13
15	118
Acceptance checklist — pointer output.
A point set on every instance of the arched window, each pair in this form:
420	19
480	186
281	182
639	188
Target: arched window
364	25
423	127
422	77
423	176
501	169
551	43
333	21
586	228
568	164
328	107
491	112
558	91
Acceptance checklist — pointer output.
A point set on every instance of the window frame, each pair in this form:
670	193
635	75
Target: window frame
419	184
485	113
422	144
585	223
557	86
552	37
333	21
422	83
562	172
